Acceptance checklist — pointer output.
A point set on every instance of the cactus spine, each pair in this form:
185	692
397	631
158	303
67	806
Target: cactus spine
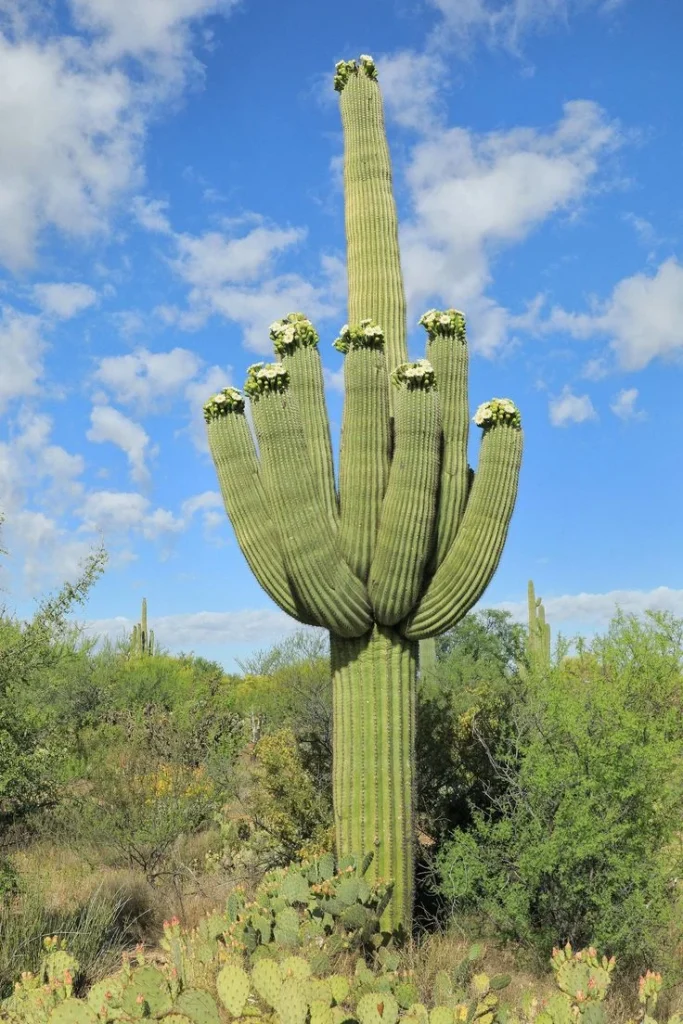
538	644
410	539
142	639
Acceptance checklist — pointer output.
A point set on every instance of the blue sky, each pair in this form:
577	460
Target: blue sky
170	183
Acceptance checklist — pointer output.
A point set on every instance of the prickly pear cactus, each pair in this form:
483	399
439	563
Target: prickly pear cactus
582	976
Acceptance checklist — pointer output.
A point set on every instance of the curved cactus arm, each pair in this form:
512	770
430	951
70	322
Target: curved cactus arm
404	540
473	557
322	580
237	467
365	443
374	264
447	352
296	343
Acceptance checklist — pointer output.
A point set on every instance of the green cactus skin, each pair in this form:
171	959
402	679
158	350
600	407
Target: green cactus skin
233	987
267	979
296	343
241	484
199	1006
409	510
73	1011
322	579
417	536
473	556
447	352
142	639
373	685
364	455
377	1008
538	644
373	258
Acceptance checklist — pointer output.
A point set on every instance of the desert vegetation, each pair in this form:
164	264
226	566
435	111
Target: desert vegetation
407	810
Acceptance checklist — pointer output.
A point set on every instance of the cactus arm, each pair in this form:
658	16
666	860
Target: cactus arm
473	557
404	540
373	684
296	344
365	444
447	352
234	455
322	580
374	264
143	626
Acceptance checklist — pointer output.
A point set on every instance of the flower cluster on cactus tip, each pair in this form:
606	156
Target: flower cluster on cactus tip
293	330
263	378
419	374
449	322
366	334
498	410
227	400
343	70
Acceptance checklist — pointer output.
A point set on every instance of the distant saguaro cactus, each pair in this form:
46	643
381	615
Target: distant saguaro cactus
538	643
409	539
142	640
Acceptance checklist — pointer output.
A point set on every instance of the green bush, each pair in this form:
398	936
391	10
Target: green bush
580	842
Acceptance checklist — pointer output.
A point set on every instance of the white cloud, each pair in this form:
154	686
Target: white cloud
74	110
21	353
624	405
598	609
64	301
412	87
505	23
231	277
472	195
202	628
151	214
334	379
144	28
643	318
109	424
210	506
595	369
69	143
31	464
144	378
47	552
114	513
570	408
210	261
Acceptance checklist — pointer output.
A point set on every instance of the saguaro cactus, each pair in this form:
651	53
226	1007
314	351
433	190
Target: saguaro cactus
409	540
142	639
538	643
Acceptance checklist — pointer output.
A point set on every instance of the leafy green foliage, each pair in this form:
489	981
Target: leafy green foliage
34	656
578	839
463	709
280	812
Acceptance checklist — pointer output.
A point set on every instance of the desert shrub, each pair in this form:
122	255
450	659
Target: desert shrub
579	840
464	707
34	656
279	810
138	809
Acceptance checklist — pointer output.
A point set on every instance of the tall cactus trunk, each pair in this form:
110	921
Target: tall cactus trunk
373	680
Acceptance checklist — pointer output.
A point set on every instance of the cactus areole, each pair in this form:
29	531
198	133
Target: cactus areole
406	541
